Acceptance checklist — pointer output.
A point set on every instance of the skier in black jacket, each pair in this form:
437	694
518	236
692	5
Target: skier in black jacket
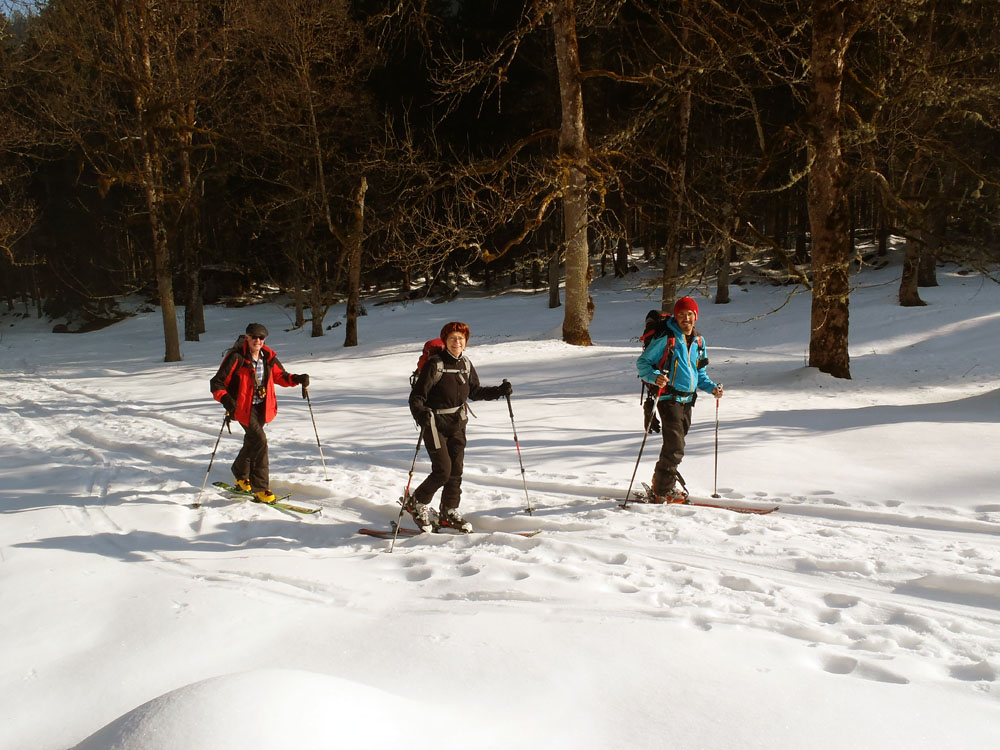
437	401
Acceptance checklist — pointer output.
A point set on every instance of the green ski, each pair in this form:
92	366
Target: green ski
234	491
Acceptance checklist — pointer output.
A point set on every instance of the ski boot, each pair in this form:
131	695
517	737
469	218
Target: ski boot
452	519
423	515
671	496
264	496
674	495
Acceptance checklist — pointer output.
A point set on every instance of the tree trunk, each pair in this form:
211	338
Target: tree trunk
354	264
927	270
135	43
194	308
722	277
829	210
675	219
801	256
318	310
554	278
913	250
882	233
938	219
573	156
621	258
916	232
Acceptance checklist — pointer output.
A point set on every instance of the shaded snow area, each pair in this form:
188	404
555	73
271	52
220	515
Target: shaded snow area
864	613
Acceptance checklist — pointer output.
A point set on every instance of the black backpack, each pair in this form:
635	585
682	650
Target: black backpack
656	326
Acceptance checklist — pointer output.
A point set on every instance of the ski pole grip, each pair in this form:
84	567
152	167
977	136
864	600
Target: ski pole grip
305	392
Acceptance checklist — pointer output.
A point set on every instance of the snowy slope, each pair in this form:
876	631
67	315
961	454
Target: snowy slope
864	613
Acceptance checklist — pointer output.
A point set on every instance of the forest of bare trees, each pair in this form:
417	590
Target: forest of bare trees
192	150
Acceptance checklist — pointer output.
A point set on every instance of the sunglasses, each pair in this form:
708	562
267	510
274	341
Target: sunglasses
257	338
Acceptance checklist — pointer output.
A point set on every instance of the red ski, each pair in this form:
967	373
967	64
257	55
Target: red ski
643	498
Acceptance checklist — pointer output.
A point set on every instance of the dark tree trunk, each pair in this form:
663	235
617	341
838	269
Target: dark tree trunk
672	261
194	307
135	43
554	278
801	241
829	208
722	277
573	152
927	271
354	265
914	249
621	258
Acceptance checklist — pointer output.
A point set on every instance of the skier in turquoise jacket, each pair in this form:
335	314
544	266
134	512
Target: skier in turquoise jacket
674	365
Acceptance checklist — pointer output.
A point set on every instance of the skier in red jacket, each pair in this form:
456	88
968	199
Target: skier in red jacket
244	385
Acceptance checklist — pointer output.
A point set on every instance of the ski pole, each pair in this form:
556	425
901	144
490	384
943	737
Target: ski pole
518	446
645	434
305	395
715	493
406	492
225	424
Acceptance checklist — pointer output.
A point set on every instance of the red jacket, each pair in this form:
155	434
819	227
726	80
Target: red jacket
236	377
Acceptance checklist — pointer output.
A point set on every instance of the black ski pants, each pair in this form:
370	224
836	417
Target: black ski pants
675	421
251	463
446	463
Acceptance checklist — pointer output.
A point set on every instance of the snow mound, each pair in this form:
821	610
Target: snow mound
265	709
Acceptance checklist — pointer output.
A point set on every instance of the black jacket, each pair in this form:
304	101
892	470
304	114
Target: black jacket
445	383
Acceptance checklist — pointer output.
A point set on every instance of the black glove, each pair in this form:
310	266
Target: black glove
424	418
228	403
302	379
505	388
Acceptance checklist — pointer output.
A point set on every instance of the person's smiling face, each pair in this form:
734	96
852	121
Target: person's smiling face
685	320
256	344
455	344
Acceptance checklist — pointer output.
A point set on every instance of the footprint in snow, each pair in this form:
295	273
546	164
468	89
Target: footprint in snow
849	665
981	671
840	601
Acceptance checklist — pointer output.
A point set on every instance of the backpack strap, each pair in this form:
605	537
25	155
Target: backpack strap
439	369
668	350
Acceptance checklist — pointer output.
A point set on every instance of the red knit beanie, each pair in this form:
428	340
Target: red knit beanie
686	303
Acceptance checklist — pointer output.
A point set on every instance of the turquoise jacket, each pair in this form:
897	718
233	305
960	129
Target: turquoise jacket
685	375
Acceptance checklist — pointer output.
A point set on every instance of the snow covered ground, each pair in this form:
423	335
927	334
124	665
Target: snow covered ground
865	613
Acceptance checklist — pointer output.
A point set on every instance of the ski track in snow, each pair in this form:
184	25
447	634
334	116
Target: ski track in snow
869	615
